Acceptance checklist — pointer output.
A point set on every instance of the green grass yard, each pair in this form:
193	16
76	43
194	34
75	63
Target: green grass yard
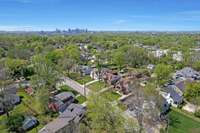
80	99
111	95
66	88
28	106
181	123
80	79
84	80
97	86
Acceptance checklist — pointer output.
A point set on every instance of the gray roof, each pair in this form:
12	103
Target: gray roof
86	70
174	94
76	108
56	125
187	72
70	114
29	122
11	89
115	78
64	95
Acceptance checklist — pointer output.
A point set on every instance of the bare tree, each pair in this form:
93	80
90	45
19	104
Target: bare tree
136	104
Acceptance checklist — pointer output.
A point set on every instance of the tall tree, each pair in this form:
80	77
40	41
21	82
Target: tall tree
162	72
46	73
105	116
44	79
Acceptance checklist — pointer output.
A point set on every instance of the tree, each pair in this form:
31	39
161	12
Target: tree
16	67
73	52
99	62
55	55
136	57
146	103
15	122
137	104
46	73
42	97
5	101
104	116
196	65
66	64
44	79
119	58
5	98
192	93
162	72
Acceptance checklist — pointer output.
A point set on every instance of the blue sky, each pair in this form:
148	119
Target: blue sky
131	15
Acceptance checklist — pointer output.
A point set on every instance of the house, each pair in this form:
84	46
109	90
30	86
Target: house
11	89
172	95
11	99
182	84
95	74
65	97
178	56
77	111
164	107
29	123
150	66
71	116
123	86
14	99
160	53
60	101
111	77
85	70
29	90
24	84
187	73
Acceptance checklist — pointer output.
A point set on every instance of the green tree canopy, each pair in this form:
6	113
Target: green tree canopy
162	72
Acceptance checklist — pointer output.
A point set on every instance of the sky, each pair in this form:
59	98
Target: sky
102	15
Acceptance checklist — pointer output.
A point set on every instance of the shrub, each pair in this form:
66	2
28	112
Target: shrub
14	122
197	113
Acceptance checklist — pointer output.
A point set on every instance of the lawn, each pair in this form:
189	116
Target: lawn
110	95
80	99
74	76
28	106
84	79
66	88
97	86
180	123
80	79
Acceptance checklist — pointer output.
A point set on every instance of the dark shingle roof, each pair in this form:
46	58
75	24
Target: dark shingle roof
174	94
64	96
70	114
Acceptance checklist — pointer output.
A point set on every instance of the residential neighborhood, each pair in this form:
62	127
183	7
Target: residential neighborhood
106	66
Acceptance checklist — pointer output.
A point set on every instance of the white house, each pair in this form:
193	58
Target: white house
159	53
171	95
178	56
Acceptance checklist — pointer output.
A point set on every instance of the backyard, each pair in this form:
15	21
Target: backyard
28	106
80	99
97	86
80	79
111	95
180	123
66	88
